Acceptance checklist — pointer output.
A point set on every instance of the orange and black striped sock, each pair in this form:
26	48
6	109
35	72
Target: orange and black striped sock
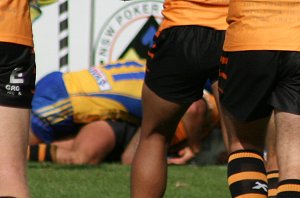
289	188
273	179
247	175
41	152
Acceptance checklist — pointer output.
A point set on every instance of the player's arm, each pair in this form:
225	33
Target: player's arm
185	156
194	120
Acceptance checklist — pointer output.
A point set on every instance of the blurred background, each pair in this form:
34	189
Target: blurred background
97	32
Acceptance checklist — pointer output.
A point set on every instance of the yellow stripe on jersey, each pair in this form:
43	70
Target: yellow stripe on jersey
63	115
58	105
56	112
111	91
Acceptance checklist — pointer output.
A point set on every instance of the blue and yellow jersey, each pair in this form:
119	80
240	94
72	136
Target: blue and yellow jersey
111	91
63	102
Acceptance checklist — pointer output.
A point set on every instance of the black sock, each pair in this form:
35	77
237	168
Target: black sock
247	174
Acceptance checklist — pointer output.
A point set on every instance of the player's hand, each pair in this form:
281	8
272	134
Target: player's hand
185	156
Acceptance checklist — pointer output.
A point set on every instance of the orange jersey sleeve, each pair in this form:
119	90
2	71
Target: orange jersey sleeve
15	22
180	134
263	25
208	13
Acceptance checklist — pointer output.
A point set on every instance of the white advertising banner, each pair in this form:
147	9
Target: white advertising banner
127	32
99	31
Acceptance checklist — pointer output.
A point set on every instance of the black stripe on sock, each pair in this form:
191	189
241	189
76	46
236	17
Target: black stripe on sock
238	188
235	165
34	153
288	194
48	157
289	181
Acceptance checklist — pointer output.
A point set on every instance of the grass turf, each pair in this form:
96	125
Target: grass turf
112	181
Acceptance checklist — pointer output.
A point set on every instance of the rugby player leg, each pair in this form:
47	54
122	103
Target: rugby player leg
149	168
288	138
271	159
215	91
193	121
92	144
14	136
14	115
246	117
64	143
245	135
246	162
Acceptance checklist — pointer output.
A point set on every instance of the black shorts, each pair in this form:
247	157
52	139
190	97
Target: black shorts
124	132
17	75
181	60
253	83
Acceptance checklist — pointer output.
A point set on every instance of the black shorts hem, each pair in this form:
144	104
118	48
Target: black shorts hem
170	98
245	118
16	103
281	108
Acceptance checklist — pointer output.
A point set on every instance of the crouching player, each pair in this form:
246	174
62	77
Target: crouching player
93	115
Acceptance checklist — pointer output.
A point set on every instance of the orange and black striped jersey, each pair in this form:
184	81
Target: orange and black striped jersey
208	13
15	22
263	25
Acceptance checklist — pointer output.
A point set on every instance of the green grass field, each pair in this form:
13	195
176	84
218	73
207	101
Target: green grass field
112	180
